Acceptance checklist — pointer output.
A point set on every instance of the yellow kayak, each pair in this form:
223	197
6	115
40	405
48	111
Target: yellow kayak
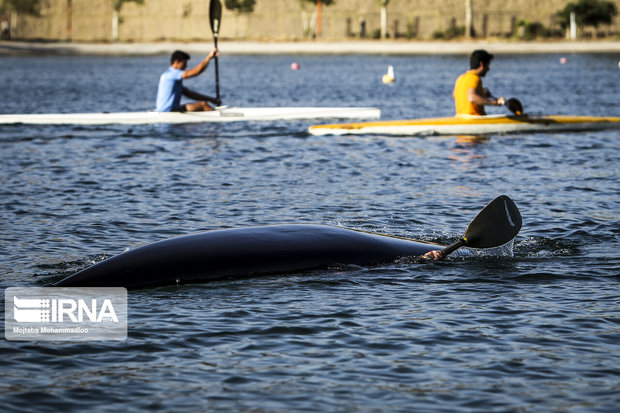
469	125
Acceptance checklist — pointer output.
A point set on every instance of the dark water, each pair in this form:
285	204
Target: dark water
539	331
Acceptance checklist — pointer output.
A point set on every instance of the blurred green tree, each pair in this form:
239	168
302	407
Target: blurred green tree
587	13
242	6
32	7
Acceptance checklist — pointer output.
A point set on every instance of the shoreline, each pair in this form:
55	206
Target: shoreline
393	47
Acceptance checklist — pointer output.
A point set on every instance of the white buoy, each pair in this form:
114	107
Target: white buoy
563	60
389	76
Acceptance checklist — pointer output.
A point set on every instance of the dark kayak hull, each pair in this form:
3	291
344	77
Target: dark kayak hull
244	252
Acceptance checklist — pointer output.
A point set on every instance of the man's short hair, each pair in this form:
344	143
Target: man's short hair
479	56
178	55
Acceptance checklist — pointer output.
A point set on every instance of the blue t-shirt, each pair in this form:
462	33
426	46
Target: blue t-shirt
170	90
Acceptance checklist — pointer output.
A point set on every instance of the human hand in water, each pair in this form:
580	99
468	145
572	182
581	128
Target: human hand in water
433	255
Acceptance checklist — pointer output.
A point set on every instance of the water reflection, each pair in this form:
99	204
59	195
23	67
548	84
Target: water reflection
466	149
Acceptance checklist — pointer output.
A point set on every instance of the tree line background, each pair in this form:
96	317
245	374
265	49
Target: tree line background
187	20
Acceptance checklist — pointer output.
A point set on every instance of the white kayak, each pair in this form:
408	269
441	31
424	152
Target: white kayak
221	114
469	125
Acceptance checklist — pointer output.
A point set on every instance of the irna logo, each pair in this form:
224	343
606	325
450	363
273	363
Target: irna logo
65	313
43	310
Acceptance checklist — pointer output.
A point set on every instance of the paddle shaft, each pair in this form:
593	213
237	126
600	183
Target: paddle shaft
217	69
215	17
452	247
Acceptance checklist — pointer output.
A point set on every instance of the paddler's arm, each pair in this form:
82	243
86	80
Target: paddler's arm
477	99
194	95
200	67
199	96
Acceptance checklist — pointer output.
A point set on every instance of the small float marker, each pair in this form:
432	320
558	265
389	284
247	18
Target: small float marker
389	76
294	66
563	60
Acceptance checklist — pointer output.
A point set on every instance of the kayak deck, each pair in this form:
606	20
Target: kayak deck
223	114
469	125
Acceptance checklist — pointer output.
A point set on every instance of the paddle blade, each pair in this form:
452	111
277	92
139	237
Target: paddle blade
497	223
515	106
215	16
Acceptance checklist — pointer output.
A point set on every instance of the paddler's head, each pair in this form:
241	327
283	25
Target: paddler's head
179	59
480	60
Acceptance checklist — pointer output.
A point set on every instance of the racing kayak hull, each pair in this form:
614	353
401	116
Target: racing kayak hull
244	252
223	114
470	125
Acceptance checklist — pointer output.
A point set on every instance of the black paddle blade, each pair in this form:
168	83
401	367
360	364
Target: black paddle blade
515	106
497	223
215	16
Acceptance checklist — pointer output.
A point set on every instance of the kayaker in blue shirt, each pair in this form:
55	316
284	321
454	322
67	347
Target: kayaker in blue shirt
171	87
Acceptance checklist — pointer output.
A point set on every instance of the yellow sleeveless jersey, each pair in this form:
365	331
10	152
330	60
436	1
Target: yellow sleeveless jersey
468	80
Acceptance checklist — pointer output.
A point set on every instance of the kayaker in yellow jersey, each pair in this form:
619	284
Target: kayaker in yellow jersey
470	96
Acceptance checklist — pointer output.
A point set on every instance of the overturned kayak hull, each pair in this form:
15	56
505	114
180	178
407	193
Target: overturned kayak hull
244	252
469	125
224	114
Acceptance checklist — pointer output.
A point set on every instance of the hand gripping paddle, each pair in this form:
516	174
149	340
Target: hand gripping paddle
515	106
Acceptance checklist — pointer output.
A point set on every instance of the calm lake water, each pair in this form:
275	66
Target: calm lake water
539	331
